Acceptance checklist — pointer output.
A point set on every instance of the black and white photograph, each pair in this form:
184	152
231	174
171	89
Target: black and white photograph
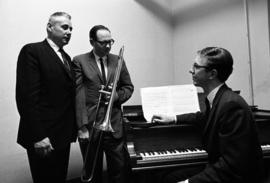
135	91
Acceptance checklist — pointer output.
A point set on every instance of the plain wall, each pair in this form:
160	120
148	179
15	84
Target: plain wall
260	58
160	46
147	39
223	24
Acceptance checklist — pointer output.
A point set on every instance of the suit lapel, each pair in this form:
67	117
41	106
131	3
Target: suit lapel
57	60
211	115
93	64
111	65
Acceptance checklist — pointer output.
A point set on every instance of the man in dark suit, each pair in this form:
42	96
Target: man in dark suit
92	70
45	96
228	127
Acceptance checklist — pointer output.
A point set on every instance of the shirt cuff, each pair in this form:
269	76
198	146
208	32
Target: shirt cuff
185	181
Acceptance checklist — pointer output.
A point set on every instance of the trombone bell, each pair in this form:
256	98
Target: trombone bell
105	126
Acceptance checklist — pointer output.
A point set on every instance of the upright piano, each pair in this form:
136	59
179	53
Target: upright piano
157	147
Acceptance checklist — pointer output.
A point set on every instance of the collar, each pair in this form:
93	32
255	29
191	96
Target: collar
53	45
212	94
104	58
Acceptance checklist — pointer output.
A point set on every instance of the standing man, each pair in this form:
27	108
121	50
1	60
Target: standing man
228	127
45	96
92	70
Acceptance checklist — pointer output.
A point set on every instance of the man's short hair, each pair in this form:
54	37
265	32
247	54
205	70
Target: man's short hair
93	31
58	14
219	59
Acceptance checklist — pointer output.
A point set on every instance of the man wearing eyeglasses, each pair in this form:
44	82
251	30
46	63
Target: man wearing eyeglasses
228	127
92	70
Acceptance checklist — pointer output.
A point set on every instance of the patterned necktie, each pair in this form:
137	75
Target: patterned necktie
64	57
102	70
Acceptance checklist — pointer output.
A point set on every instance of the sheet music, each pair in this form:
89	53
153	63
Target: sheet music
171	100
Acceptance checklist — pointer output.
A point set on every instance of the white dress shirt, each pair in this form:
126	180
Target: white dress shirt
104	63
55	48
212	95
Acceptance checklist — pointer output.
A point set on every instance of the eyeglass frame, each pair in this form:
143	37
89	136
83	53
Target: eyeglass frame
104	43
197	66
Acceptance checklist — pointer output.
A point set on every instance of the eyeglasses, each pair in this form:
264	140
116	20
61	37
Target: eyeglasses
103	43
197	66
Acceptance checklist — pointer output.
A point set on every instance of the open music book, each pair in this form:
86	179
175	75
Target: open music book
170	100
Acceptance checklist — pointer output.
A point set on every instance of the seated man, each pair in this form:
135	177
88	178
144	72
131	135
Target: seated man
228	127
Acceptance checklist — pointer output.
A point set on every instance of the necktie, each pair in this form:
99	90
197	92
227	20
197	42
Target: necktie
64	57
102	70
207	104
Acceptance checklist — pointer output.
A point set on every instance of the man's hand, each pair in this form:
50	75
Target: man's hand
107	94
43	147
162	118
83	134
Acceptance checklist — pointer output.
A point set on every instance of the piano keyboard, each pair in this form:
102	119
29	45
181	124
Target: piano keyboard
172	158
266	149
185	154
172	154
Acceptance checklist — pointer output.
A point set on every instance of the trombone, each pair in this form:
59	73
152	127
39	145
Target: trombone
95	137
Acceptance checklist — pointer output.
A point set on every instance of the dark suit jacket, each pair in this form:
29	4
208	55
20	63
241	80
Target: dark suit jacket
89	81
230	138
45	96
